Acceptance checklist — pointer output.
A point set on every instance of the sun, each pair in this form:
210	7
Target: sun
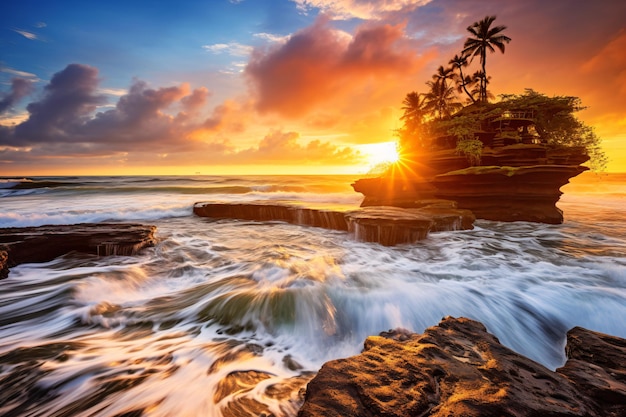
380	153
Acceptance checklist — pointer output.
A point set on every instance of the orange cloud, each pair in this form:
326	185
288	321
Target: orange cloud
610	62
284	147
361	9
320	64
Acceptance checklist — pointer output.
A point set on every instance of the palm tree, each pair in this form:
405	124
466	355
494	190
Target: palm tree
443	75
485	38
476	81
413	133
441	100
458	62
414	106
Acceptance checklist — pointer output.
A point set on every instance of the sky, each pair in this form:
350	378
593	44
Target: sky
273	86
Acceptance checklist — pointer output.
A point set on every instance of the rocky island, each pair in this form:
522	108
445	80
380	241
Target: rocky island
517	179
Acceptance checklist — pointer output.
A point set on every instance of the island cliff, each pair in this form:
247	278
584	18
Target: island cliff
517	179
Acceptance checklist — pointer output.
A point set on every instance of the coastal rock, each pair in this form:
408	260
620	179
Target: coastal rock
4	264
458	369
518	182
391	225
270	211
396	192
597	367
528	193
385	225
44	243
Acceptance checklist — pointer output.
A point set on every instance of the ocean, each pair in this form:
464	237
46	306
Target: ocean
233	318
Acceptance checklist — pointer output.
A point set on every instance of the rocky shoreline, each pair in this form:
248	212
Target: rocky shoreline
457	368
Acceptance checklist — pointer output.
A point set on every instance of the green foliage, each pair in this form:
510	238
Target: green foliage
438	113
556	123
464	129
472	149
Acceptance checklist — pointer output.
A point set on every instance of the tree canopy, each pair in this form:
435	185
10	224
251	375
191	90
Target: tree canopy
439	111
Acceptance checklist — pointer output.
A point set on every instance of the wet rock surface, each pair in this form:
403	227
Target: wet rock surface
41	244
458	369
385	225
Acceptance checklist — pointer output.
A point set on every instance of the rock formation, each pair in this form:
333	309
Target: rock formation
44	243
527	193
384	225
458	369
515	182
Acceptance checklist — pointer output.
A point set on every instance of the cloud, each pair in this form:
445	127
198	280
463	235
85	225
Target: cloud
231	48
18	73
272	37
137	115
20	88
285	148
230	115
146	126
69	98
67	123
611	61
319	63
67	114
117	92
196	100
28	35
360	9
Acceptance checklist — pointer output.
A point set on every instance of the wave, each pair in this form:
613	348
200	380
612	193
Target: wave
15	187
103	214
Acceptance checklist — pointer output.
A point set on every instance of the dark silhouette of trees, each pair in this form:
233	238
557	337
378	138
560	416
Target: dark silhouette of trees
484	39
436	115
441	100
459	62
414	107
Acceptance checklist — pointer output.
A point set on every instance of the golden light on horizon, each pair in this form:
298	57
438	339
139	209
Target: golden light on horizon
380	153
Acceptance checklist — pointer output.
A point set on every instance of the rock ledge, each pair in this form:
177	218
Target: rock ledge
385	225
41	244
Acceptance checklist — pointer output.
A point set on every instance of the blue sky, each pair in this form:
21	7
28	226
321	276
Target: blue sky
273	86
144	39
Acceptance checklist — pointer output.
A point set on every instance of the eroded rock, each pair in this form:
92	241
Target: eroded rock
527	193
384	225
458	369
44	243
518	182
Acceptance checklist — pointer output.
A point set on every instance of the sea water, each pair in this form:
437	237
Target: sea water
228	317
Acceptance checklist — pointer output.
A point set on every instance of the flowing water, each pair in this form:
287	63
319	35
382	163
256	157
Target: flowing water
234	317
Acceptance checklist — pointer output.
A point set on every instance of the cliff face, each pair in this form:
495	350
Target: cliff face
458	369
527	193
518	182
